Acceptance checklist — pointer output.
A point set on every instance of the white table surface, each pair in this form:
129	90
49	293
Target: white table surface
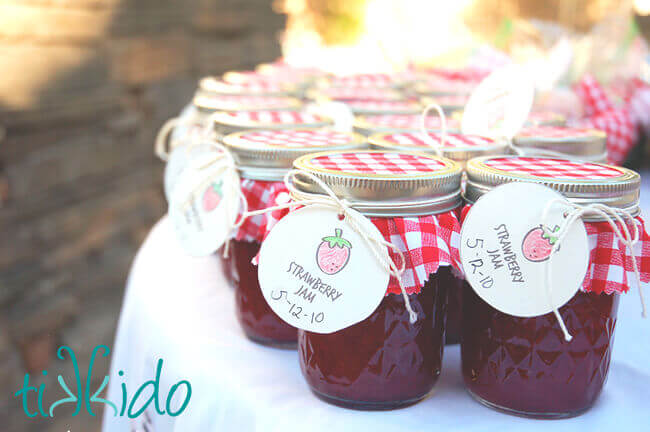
179	308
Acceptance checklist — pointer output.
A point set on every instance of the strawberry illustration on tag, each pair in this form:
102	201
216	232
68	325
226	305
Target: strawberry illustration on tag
333	253
212	196
538	243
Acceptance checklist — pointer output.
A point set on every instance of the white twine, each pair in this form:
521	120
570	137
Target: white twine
376	244
162	138
437	147
611	216
162	142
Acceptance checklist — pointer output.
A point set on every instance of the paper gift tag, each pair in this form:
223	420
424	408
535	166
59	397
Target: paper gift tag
500	104
340	113
318	274
505	244
179	159
204	202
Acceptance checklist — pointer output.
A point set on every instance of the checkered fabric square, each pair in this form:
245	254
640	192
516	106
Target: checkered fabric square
368	93
553	168
244	88
601	113
393	163
555	132
381	105
251	101
299	138
365	80
259	195
273	117
452	140
610	267
472	74
407	121
427	242
453	100
251	78
438	84
639	104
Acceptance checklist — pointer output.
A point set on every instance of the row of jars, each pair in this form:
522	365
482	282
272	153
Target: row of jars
519	365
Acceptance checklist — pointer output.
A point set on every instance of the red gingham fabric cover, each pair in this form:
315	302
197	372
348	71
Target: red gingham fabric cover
381	105
407	121
376	80
247	100
272	117
368	93
427	242
245	87
601	114
610	263
297	138
452	140
390	162
259	195
553	168
555	132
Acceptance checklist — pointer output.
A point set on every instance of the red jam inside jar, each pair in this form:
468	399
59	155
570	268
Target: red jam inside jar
525	366
255	316
384	361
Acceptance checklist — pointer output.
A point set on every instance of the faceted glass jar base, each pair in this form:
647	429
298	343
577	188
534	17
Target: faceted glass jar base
524	366
383	362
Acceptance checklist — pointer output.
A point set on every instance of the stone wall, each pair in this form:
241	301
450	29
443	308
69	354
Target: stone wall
85	86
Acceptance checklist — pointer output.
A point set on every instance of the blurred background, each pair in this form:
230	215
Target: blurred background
86	84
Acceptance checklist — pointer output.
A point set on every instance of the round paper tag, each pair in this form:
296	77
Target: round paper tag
179	159
506	244
500	105
204	203
318	274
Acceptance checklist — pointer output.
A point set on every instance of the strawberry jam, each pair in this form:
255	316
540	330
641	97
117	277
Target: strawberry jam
257	319
524	366
384	361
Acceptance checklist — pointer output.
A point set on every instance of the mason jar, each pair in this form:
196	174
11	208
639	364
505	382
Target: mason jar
263	157
524	365
385	361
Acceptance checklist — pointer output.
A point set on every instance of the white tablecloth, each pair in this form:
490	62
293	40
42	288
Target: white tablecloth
178	308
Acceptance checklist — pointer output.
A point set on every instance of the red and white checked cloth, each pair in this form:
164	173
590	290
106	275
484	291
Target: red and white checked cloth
296	138
391	163
610	262
405	121
427	242
382	105
368	93
554	168
601	114
259	196
256	87
242	101
270	117
452	140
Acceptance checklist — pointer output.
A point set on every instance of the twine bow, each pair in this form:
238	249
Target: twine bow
611	216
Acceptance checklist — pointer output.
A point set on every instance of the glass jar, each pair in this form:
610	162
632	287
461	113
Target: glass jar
524	365
459	148
579	144
263	157
384	361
